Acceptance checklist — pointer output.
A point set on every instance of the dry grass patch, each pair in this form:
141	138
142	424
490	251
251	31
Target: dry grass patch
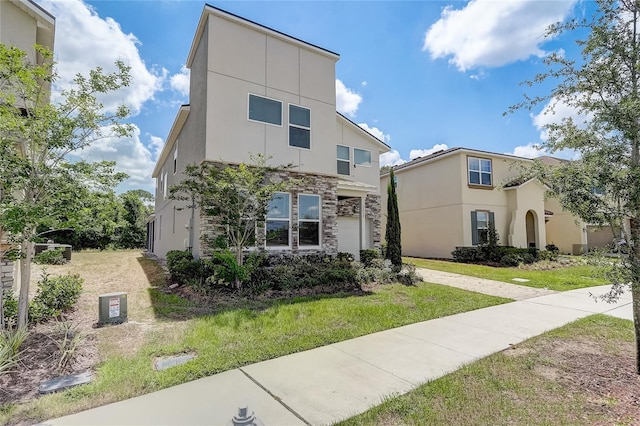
581	374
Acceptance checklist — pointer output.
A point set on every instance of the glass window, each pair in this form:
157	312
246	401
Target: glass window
482	226
479	171
299	127
361	157
277	223
265	110
309	220
344	160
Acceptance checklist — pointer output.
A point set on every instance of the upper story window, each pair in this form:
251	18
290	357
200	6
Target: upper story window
265	110
299	127
175	159
479	171
278	221
164	185
308	220
344	160
361	157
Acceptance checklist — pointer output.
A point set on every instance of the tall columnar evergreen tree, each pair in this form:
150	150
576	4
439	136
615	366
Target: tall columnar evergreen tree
603	86
392	234
40	185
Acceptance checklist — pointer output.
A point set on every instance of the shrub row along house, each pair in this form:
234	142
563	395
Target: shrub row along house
255	90
22	24
447	200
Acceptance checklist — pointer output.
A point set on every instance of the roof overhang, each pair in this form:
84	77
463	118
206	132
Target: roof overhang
209	10
383	147
347	187
176	127
527	182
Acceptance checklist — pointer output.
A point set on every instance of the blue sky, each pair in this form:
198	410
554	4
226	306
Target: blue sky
422	76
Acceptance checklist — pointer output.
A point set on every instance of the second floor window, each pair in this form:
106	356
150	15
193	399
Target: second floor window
344	160
361	157
265	110
299	127
479	171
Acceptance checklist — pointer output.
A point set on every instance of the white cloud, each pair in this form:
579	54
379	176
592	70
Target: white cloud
85	41
554	112
364	83
489	33
130	154
347	101
416	153
180	81
391	158
376	132
531	150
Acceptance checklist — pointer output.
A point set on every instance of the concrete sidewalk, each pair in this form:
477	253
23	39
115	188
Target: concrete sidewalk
482	285
331	383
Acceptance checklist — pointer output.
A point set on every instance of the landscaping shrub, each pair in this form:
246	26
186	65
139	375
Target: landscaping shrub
10	305
183	268
296	272
345	256
408	275
467	255
10	342
54	296
50	257
510	259
552	248
224	268
368	256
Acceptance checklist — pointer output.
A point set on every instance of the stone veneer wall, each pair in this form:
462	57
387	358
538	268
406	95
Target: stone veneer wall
6	275
327	188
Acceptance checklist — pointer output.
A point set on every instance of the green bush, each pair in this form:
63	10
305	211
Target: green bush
54	296
183	268
50	257
468	255
553	249
296	272
368	256
503	255
225	269
348	257
10	342
10	305
510	259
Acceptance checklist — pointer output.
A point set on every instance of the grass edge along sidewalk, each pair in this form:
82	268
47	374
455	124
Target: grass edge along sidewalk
241	336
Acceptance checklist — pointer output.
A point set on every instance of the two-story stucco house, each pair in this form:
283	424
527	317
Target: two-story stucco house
447	200
23	24
256	90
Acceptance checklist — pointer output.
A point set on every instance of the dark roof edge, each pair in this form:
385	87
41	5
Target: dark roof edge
271	29
361	129
42	9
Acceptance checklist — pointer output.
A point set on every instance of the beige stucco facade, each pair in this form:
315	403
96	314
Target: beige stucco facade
234	62
441	208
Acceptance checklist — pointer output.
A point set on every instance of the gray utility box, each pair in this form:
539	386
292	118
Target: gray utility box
112	308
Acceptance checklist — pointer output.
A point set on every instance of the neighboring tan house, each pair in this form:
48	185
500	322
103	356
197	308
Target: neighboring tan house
23	24
256	90
447	200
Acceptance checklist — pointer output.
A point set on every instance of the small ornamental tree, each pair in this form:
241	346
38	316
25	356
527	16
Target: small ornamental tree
392	232
603	86
237	197
40	186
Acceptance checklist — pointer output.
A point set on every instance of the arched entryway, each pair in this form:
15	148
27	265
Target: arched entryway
530	221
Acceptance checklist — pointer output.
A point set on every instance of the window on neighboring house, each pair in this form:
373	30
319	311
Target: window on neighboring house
479	171
344	160
278	220
480	222
175	159
299	127
361	157
265	110
308	220
164	185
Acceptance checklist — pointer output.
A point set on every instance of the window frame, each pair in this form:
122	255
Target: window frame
249	95
343	160
165	186
363	150
476	240
287	220
318	221
298	126
480	172
175	159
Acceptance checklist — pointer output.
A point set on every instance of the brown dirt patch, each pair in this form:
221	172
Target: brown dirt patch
607	380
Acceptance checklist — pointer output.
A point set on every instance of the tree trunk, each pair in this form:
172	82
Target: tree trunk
25	279
634	254
238	267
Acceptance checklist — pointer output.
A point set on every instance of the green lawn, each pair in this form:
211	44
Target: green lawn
237	337
560	279
580	374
